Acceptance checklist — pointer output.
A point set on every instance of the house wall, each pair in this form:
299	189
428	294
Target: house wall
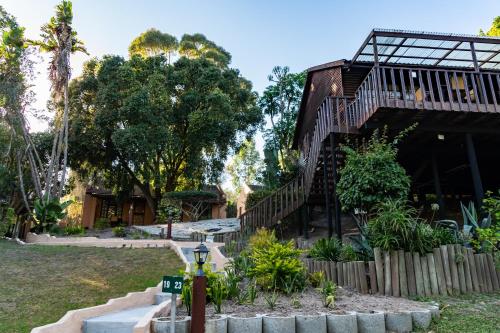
89	211
219	211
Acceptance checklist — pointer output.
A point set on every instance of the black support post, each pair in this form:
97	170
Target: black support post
305	217
327	192
474	168
437	186
336	201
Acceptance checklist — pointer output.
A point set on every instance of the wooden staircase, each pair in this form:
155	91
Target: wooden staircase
331	118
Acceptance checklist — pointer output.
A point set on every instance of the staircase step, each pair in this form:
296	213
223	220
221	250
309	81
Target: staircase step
116	322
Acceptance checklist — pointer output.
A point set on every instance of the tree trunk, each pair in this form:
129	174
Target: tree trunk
50	169
65	143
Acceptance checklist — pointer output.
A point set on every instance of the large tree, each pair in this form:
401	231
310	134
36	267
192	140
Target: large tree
60	40
156	125
280	102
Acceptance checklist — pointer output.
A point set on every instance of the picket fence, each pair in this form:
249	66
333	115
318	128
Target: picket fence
449	270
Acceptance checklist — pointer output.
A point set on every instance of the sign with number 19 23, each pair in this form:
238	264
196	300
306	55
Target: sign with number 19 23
172	284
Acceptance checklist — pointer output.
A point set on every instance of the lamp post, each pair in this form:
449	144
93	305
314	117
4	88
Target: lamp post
199	291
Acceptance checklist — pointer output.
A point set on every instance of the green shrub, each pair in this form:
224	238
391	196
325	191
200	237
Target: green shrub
316	279
55	229
218	292
392	226
371	174
326	249
119	232
328	294
102	223
347	253
271	299
252	292
254	197
491	205
169	208
278	267
261	239
187	296
74	230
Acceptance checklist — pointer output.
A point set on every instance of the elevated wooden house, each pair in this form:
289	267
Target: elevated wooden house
448	83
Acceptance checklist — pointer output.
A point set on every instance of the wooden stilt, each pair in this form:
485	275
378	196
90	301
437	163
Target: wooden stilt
432	274
418	274
441	280
373	277
461	270
473	271
425	276
379	267
410	274
395	273
447	269
454	270
387	274
403	284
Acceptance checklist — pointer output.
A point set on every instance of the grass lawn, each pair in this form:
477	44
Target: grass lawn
39	284
468	313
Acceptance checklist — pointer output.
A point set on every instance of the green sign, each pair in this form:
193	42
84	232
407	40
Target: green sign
172	284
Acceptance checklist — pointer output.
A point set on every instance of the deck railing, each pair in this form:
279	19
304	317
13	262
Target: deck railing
426	89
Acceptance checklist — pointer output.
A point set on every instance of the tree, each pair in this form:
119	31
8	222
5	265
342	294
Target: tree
494	30
246	165
60	40
192	203
280	102
153	42
197	45
157	125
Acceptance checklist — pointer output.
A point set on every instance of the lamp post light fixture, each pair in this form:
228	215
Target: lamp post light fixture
199	290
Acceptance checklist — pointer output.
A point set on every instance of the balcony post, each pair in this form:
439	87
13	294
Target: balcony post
336	201
437	185
474	57
329	216
474	168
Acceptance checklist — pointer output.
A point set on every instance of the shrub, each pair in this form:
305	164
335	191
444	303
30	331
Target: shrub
371	174
55	229
271	300
218	292
347	253
491	204
187	296
119	232
102	223
316	279
262	238
326	249
74	230
278	267
254	197
329	294
392	226
169	208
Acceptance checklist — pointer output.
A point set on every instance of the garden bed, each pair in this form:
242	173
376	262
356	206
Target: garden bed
310	302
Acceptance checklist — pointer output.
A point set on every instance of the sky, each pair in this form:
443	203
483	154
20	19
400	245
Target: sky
259	34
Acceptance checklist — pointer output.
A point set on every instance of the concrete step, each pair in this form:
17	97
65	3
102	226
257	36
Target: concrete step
117	322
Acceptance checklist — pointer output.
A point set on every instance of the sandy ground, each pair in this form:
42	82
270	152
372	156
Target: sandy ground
310	302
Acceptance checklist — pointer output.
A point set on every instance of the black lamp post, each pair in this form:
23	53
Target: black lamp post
199	290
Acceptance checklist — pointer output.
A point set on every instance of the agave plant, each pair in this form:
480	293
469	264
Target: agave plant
472	220
48	212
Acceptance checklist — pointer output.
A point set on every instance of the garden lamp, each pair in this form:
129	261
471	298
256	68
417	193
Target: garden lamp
199	291
200	256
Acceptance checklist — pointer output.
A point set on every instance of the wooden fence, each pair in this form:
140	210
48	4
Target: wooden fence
449	270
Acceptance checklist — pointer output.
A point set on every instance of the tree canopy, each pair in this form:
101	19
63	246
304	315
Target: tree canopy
246	166
494	30
280	102
153	42
157	125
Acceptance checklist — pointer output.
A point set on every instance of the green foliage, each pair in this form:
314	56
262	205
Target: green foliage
326	249
186	196
280	102
218	292
278	267
231	210
55	229
160	126
316	279
371	174
187	296
76	229
242	265
487	239
232	280
262	239
168	208
494	30
271	299
48	212
347	253
328	294
102	223
392	226
252	292
242	297
254	197
246	165
153	42
119	231
491	204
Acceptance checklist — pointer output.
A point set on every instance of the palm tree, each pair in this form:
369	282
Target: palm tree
60	40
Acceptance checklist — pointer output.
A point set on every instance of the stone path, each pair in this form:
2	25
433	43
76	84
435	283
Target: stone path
183	230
